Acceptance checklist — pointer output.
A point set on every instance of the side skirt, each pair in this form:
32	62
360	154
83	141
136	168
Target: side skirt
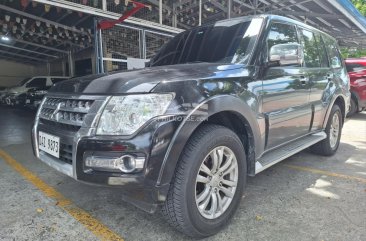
281	153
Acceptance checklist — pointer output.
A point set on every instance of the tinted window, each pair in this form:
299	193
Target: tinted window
220	42
37	82
322	52
335	59
55	80
311	52
354	67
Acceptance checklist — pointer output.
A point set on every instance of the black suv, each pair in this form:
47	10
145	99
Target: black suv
217	103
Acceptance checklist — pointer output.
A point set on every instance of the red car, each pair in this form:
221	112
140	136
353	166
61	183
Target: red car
357	72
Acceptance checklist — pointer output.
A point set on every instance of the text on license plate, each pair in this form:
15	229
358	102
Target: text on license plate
49	143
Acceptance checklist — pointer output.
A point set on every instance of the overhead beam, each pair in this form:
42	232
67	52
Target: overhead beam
106	14
22	56
307	14
40	46
6	8
27	50
14	59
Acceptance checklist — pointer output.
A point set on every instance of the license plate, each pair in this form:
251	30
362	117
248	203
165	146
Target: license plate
27	101
49	144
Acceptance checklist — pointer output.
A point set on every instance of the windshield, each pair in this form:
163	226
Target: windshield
223	42
21	83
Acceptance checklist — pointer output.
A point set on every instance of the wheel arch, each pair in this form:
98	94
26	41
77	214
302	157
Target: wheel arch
339	100
225	110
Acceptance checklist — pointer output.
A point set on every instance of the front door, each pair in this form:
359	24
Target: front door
285	99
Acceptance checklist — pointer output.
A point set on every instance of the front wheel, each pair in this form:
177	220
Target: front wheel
329	145
208	182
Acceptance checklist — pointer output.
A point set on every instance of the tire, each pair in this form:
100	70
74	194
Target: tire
326	147
180	208
354	108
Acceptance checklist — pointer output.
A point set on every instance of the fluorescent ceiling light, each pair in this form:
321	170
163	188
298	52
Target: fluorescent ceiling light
5	38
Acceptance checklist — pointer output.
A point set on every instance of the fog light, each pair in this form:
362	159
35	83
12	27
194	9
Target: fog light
125	163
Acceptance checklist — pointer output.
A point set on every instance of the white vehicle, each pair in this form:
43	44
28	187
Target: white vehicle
34	83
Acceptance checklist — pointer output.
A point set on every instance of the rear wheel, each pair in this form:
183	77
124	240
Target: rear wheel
208	182
329	146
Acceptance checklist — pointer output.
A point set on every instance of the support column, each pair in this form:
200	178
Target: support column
48	68
161	11
229	8
200	14
143	38
174	15
63	68
71	64
104	5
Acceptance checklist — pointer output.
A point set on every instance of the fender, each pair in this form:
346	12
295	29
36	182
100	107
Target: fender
215	105
330	106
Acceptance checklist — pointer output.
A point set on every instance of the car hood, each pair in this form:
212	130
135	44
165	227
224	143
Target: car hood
16	90
139	81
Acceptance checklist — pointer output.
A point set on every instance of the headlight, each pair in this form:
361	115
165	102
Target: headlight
123	115
38	92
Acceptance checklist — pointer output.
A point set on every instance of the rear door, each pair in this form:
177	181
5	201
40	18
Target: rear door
285	92
317	66
337	79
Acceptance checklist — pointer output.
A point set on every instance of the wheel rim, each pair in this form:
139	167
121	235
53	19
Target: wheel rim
334	131
216	182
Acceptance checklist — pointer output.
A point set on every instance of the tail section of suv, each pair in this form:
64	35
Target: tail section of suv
357	72
217	103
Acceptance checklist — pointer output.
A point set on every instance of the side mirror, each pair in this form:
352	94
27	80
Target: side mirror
285	54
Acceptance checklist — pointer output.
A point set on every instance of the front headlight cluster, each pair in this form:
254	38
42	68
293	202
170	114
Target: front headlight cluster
123	115
38	92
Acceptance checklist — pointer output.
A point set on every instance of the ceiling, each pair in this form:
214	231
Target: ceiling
35	33
45	30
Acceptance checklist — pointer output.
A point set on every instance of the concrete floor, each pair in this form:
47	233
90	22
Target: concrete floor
285	202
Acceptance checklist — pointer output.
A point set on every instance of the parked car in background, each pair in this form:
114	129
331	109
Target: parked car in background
17	95
34	96
217	103
357	72
3	92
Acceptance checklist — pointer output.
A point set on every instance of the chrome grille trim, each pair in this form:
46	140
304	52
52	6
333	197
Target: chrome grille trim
78	111
87	127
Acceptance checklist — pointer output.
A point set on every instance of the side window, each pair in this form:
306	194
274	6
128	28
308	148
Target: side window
56	80
282	41
37	83
311	53
354	67
323	53
335	59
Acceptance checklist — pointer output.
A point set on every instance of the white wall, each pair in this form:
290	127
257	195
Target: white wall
12	72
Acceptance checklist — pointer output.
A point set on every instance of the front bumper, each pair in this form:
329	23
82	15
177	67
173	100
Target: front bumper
138	188
15	100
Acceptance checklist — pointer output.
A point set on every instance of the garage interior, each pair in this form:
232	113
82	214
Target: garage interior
306	196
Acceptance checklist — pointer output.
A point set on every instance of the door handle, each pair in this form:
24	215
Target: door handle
303	80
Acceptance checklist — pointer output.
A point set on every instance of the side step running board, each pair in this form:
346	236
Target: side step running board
277	155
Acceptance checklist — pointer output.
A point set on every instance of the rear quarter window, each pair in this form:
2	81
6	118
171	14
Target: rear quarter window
334	55
354	67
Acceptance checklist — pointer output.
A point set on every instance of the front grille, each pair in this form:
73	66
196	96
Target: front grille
66	153
65	113
63	116
59	126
